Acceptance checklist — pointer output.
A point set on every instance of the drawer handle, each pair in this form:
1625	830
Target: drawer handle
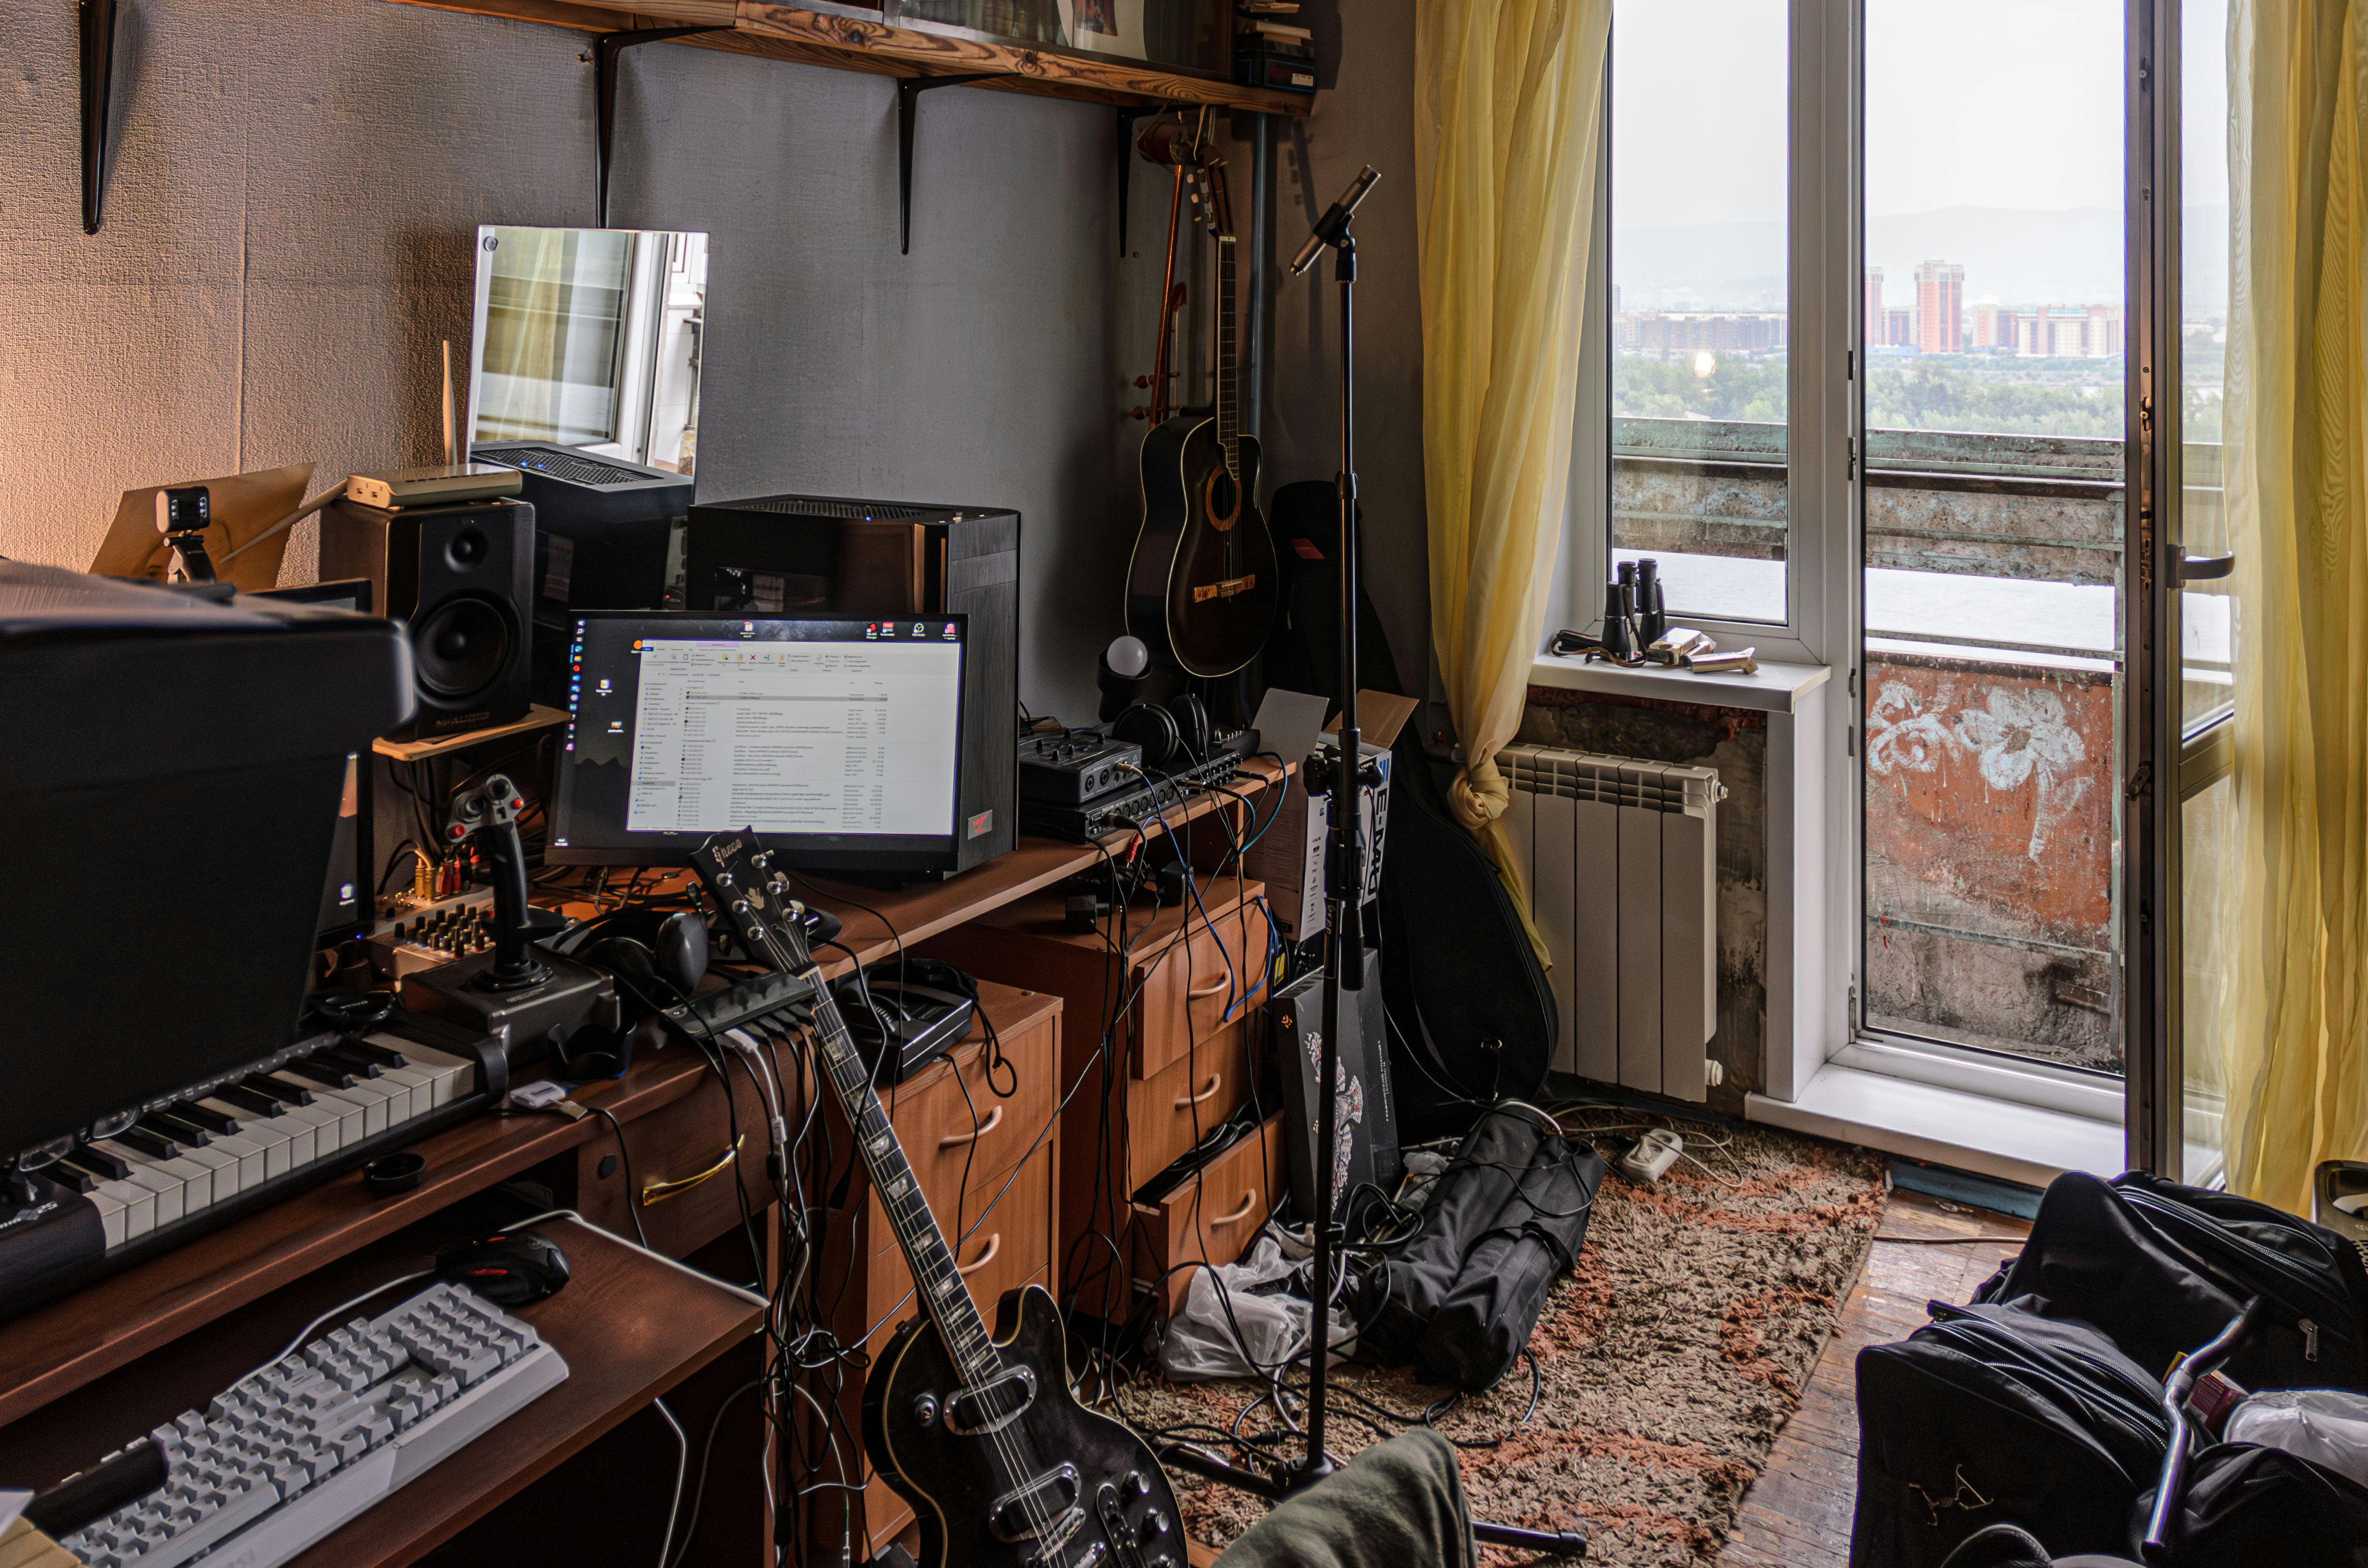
956	1140
1239	1215
994	1245
656	1191
1186	1102
1211	989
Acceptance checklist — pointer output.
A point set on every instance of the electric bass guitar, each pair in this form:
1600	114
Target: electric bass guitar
981	1435
1200	591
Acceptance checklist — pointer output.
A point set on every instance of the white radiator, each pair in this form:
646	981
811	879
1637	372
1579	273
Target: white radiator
1621	861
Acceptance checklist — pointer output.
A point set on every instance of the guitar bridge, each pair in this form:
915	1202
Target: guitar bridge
1017	1512
1227	589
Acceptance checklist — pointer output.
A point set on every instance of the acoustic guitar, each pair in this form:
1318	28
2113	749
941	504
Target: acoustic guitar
1003	1467
1200	591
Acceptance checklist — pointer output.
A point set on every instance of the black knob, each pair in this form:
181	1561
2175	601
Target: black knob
1155	1526
1136	1485
924	1409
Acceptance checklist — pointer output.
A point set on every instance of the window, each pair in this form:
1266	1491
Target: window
1700	312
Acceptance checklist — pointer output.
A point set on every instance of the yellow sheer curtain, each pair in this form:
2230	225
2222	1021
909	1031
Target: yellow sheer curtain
2294	1018
1509	98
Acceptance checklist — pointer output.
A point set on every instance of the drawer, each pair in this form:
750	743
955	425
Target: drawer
1212	1218
1012	1247
1167	1114
1198	984
681	1167
933	1120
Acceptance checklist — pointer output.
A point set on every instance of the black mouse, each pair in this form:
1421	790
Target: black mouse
509	1269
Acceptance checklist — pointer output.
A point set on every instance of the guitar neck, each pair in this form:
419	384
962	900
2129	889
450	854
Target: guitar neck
1229	429
935	1279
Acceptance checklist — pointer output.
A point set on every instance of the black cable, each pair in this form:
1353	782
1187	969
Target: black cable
632	1194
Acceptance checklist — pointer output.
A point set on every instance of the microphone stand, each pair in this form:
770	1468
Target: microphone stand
1342	776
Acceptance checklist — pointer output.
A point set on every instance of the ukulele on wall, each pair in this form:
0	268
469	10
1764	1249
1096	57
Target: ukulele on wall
1200	589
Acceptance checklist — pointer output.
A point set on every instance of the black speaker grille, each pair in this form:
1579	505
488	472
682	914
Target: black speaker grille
573	467
808	507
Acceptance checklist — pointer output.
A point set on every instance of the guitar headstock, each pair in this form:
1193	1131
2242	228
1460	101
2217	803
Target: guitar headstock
738	873
1221	201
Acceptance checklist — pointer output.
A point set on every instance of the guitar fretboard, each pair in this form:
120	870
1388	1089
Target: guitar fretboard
935	1279
1229	366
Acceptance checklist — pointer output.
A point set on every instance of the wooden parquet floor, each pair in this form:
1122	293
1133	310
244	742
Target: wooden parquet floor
1797	1514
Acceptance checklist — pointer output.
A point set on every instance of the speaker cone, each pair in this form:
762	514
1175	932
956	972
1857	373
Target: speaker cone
461	647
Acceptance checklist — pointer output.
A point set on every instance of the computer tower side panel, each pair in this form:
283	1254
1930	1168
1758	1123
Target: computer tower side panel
987	590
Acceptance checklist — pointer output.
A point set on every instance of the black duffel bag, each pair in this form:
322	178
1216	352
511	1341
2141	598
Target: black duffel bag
2161	1267
2246	1506
1992	1414
1502	1223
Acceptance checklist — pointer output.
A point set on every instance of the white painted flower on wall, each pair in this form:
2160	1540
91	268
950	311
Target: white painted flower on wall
2020	735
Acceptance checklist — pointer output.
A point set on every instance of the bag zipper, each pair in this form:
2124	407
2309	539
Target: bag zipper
2208	1237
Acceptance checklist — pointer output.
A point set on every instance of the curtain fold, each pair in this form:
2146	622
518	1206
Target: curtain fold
2291	1020
1509	98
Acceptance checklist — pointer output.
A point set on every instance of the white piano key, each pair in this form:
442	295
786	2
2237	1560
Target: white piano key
221	1170
374	1098
262	1135
321	1126
252	1166
346	1114
170	1191
111	1211
421	1085
454	1077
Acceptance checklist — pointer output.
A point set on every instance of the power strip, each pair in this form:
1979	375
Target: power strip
1654	1152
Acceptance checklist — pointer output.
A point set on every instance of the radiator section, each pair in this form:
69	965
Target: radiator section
1621	859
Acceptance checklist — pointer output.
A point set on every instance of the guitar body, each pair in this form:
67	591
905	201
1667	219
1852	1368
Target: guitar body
1202	590
955	1480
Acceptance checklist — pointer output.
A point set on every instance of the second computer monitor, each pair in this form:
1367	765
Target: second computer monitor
838	739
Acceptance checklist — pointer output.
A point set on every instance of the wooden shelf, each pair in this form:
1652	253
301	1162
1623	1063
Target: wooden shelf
538	717
851	38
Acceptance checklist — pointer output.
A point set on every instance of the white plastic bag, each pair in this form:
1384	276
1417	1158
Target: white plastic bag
2326	1426
1200	1343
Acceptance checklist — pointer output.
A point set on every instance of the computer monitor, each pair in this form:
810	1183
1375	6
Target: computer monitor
838	738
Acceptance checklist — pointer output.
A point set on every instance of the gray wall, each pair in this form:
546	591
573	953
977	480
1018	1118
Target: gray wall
287	239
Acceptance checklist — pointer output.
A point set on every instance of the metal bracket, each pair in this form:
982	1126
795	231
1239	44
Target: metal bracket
605	51
908	103
1126	118
99	35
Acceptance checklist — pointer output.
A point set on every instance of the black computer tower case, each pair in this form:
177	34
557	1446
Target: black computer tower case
784	554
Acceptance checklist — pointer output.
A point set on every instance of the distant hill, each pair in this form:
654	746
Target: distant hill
2020	256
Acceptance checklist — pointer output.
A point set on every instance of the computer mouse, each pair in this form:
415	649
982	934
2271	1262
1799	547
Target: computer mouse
509	1268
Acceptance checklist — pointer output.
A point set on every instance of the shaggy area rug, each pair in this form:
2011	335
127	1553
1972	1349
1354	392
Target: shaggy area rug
1666	1362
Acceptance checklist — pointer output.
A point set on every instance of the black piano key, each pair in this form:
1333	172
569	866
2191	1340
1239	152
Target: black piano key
148	1143
114	1167
68	1175
261	1102
174	1128
377	1055
279	1090
352	1062
326	1073
205	1117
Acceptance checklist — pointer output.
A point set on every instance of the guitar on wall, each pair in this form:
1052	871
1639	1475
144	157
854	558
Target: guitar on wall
1002	1466
1201	590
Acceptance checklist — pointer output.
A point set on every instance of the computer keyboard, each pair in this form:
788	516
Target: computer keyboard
293	1450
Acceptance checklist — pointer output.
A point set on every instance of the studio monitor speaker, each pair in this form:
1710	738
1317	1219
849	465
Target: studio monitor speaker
460	576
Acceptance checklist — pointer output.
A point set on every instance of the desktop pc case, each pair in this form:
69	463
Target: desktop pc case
813	553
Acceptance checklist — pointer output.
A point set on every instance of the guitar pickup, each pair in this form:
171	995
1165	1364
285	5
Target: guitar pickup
992	1405
1052	1496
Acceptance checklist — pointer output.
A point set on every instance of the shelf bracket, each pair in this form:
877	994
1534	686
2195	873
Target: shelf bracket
908	103
98	99
606	50
1126	118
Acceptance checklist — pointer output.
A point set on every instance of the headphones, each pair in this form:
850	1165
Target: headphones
647	947
1174	734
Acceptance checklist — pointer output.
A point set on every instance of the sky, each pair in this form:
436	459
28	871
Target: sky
1983	104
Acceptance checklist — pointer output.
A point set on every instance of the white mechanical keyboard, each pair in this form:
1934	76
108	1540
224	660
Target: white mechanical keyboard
290	1452
177	1160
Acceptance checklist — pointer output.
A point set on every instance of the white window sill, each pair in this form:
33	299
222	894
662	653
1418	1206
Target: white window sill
1775	689
2011	1142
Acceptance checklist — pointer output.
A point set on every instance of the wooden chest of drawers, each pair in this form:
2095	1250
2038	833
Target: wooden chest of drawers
1183	1007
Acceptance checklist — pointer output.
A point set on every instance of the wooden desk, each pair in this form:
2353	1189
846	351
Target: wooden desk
81	1374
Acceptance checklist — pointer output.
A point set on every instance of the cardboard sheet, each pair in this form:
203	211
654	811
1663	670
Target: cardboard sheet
242	506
